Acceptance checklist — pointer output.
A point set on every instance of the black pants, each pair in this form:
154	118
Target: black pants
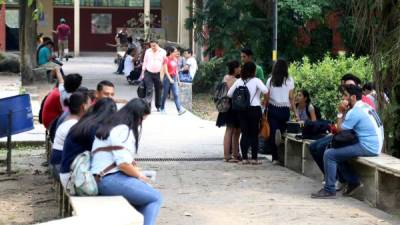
277	118
250	128
150	80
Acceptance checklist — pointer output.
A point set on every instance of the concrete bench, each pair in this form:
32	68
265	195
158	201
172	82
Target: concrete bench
380	175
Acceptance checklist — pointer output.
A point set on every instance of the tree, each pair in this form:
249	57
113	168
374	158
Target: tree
378	27
27	39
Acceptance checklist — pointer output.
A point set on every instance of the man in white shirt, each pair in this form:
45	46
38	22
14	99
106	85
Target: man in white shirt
152	71
190	67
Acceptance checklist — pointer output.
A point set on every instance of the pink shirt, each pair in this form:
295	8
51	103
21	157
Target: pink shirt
153	61
63	31
368	101
172	65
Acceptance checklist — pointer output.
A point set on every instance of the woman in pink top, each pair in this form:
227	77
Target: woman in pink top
171	80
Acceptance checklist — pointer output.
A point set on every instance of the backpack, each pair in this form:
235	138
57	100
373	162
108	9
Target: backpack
82	182
315	129
41	109
221	100
241	98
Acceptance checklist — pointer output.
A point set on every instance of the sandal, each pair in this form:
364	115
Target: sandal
231	160
245	162
255	162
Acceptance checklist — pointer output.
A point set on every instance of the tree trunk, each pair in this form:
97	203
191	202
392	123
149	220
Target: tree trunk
27	41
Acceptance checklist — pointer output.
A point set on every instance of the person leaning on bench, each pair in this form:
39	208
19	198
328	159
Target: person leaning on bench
364	121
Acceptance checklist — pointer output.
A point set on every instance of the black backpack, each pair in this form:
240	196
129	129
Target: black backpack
241	98
221	100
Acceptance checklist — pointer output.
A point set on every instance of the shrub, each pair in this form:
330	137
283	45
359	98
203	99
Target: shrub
208	75
322	79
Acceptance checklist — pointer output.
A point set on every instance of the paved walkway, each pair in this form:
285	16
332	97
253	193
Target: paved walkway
213	192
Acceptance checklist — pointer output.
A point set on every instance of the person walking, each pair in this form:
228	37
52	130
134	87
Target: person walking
152	72
280	100
171	80
230	118
250	118
63	31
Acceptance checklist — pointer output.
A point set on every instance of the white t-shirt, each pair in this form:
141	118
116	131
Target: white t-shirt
192	63
120	135
255	86
279	96
62	132
63	95
128	65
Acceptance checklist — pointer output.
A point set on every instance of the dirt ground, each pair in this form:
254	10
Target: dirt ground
204	107
27	196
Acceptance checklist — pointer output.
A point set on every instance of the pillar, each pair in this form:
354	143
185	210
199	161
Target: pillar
147	19
183	13
76	27
3	27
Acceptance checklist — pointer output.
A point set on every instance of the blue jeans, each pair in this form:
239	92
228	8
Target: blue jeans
175	91
277	118
142	196
336	159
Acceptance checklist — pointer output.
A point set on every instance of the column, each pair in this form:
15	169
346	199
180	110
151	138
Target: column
76	27
183	14
3	27
147	19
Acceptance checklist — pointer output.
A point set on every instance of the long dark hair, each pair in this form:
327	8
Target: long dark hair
279	73
170	49
131	115
248	71
103	108
306	94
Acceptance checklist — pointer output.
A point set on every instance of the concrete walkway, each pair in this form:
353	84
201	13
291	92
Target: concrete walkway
213	192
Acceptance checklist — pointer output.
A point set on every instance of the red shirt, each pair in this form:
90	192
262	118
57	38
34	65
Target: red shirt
172	65
368	101
51	107
63	31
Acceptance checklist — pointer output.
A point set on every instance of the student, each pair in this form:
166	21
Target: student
78	104
246	55
280	100
171	80
364	121
129	64
250	118
106	89
304	108
123	129
230	119
81	136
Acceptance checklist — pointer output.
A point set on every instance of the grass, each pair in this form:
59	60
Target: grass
204	107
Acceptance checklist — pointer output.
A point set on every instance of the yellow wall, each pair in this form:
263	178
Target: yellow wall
46	26
169	14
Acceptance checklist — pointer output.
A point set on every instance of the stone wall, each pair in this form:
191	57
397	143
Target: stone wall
185	95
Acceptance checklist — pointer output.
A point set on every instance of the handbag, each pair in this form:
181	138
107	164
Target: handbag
141	91
264	127
344	138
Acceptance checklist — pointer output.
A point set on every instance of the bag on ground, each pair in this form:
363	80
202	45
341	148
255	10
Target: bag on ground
221	100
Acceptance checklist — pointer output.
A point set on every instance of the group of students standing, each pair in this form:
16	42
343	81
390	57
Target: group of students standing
88	120
278	99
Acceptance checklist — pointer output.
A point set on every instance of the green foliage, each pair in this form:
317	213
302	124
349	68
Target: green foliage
322	79
208	75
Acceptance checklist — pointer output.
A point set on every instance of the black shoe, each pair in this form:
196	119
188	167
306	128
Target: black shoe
350	189
158	110
323	194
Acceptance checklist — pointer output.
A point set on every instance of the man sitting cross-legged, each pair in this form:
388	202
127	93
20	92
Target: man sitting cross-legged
362	118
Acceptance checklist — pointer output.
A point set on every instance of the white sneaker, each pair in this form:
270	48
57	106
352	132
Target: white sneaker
182	111
278	137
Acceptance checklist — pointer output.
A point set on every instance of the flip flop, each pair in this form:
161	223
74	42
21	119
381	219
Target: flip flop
256	162
245	162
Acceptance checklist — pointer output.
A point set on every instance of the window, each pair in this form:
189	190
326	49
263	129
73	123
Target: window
106	3
12	18
101	23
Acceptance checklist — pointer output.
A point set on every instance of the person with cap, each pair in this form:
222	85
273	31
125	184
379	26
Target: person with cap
63	31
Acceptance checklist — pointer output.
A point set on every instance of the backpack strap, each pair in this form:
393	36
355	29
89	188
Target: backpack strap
109	167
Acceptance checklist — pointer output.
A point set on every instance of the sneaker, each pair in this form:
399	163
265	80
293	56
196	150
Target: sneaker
162	111
158	110
339	186
182	111
350	189
322	194
278	137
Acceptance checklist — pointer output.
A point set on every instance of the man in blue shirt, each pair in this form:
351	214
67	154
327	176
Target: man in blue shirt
362	118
